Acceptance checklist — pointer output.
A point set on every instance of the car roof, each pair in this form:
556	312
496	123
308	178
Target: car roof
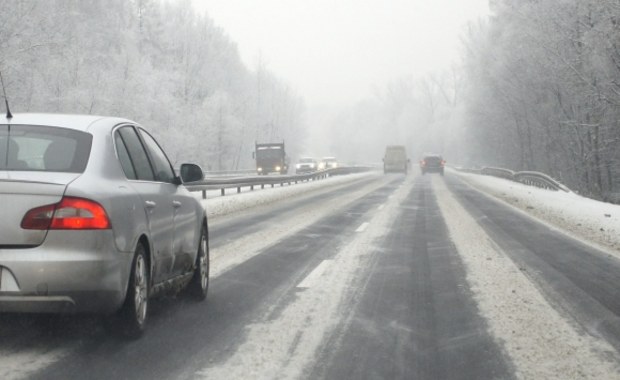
77	122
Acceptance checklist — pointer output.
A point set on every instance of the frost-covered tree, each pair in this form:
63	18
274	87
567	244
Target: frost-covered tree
157	62
543	90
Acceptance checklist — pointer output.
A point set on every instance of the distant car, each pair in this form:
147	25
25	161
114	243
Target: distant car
395	159
328	163
432	164
306	165
94	219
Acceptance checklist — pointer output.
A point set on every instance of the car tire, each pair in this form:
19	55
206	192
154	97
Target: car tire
199	284
133	314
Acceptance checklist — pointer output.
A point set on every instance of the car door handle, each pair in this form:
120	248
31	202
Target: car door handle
176	204
150	204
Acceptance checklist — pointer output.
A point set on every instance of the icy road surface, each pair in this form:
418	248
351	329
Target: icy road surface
365	277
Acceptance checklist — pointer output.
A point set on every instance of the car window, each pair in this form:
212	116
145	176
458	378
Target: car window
163	169
42	148
137	154
123	157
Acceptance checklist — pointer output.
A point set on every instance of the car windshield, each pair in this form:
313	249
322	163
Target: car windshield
272	153
45	149
306	161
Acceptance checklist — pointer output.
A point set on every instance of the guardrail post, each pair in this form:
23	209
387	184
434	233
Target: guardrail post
204	194
262	186
223	191
238	189
252	188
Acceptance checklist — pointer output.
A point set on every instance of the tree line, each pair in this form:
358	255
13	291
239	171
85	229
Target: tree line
154	61
543	91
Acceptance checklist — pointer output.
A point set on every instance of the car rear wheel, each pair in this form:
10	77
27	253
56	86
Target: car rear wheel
199	284
133	314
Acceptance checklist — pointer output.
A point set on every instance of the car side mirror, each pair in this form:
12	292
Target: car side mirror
191	173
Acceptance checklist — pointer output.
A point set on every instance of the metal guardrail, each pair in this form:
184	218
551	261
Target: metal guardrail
229	173
530	178
498	172
225	183
540	180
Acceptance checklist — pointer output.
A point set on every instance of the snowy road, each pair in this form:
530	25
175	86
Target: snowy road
378	277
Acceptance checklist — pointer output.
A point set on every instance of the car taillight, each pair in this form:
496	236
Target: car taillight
69	214
443	163
423	163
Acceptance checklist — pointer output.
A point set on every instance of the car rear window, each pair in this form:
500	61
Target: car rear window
43	148
433	160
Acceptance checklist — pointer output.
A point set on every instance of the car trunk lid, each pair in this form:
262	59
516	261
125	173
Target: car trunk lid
21	192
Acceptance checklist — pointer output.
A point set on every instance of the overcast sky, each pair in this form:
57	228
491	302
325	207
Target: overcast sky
333	52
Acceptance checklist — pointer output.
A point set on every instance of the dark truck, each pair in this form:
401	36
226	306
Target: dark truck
270	158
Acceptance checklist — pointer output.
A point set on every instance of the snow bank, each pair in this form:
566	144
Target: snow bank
223	205
595	222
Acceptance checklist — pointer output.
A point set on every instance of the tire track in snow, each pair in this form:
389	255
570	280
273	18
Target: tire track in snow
283	347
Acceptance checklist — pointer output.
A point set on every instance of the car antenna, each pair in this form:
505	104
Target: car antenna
6	100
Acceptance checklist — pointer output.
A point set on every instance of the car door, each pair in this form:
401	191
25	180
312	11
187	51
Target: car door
185	221
155	194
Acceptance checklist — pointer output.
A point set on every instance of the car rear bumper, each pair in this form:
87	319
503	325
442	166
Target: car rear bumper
432	169
70	272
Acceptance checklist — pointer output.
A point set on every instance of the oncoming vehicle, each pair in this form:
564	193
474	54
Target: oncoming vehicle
270	158
306	165
328	163
95	220
432	163
395	159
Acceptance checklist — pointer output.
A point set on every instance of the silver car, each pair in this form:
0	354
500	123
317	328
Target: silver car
94	219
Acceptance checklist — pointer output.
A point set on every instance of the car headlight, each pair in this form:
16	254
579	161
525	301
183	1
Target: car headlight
312	166
260	169
278	168
298	166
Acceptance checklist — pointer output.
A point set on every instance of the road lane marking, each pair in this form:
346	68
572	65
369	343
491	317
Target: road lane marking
362	228
268	350
315	275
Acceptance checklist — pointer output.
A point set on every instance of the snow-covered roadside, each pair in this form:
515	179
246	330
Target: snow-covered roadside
223	205
541	343
282	347
592	221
